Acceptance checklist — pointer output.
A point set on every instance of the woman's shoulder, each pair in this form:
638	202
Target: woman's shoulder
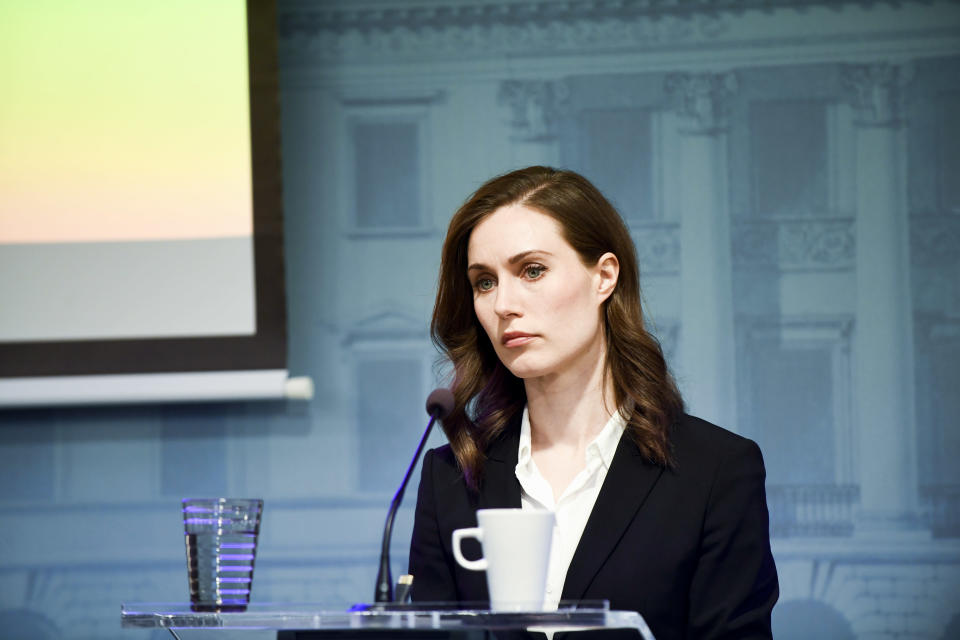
713	463
442	467
694	437
442	455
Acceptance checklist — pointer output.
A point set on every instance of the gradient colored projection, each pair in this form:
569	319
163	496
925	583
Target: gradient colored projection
123	120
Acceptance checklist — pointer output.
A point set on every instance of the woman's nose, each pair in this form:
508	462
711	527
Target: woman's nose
507	301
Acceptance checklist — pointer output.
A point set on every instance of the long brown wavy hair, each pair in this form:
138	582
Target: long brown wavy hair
486	394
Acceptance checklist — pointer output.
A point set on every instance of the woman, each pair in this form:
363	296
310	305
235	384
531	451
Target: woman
564	402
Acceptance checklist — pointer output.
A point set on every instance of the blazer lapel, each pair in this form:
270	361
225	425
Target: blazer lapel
500	487
626	487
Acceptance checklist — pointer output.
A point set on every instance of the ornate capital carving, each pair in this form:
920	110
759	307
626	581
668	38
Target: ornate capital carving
876	91
702	100
935	241
535	107
795	245
755	245
824	245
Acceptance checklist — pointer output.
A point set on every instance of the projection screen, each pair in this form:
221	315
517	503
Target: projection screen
140	204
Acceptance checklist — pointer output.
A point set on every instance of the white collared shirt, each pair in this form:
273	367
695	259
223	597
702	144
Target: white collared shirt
576	502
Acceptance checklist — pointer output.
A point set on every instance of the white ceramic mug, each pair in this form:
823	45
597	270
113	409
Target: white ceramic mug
516	551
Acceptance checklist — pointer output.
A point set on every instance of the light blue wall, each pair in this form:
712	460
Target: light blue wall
819	144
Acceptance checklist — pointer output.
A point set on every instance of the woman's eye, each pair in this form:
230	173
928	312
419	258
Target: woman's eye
534	271
484	284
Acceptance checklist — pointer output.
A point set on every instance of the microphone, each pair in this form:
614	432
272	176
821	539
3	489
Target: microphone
439	405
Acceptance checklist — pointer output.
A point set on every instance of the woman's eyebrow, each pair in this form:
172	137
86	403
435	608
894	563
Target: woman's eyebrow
520	256
511	260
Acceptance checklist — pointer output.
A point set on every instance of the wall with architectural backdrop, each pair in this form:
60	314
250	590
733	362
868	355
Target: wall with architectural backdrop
789	171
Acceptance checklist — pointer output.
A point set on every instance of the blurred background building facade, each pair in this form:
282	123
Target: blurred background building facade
791	176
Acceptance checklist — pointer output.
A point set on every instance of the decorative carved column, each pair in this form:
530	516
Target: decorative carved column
706	349
535	107
883	342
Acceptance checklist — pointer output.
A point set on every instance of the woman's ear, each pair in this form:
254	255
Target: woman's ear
608	270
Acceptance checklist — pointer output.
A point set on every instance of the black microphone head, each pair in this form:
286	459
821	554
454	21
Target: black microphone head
440	403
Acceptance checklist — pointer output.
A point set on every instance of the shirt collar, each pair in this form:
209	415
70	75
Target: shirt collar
524	453
604	445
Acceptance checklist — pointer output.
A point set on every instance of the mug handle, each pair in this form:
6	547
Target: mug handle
458	536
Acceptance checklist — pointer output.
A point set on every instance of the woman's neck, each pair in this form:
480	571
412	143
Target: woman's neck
571	409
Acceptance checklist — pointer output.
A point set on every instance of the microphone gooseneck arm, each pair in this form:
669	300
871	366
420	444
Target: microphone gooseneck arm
439	405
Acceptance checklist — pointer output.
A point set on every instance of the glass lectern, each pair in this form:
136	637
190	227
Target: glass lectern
376	622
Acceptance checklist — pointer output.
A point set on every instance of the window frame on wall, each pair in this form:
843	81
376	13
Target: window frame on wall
656	233
945	174
652	210
934	86
833	121
402	109
934	332
934	225
395	351
938	492
830	333
814	83
390	335
640	92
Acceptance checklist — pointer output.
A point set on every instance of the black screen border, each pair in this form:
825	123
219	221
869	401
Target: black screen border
267	348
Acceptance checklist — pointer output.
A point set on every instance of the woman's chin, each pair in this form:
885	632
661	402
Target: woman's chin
527	370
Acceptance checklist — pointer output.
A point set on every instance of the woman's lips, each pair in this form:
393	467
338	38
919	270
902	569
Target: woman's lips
516	339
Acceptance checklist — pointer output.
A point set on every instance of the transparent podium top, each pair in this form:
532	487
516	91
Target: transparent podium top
437	616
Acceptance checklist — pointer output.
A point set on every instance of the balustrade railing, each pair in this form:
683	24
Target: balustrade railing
811	510
940	508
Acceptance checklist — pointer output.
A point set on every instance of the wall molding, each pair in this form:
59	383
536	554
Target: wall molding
310	16
427	30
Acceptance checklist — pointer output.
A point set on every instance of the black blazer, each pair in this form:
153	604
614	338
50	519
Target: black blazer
689	547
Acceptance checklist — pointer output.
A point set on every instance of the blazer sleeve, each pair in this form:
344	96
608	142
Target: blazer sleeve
734	585
433	579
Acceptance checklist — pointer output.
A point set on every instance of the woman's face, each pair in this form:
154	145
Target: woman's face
538	303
